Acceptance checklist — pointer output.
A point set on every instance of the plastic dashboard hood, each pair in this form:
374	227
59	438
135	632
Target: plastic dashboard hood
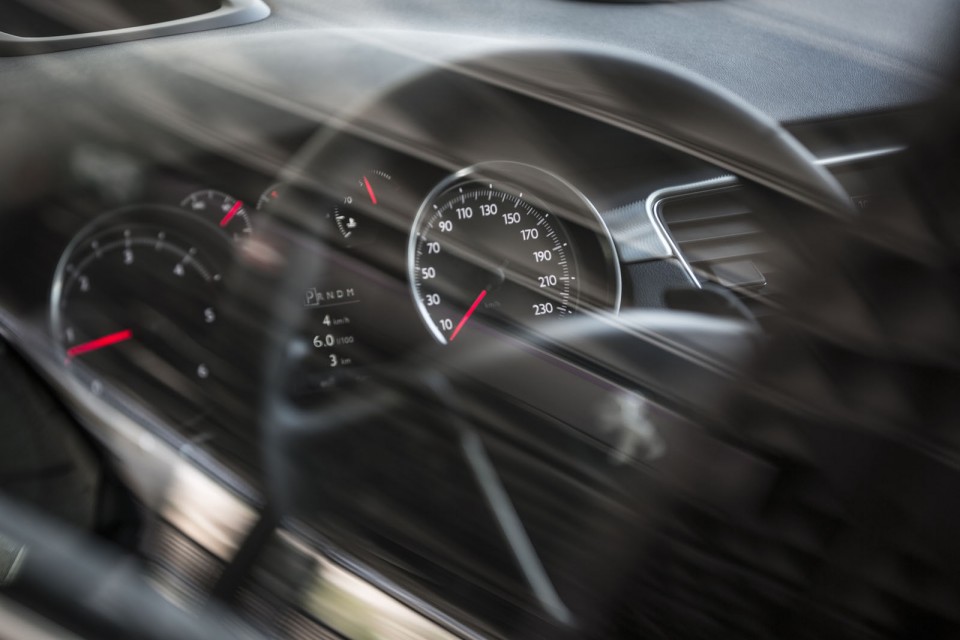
336	77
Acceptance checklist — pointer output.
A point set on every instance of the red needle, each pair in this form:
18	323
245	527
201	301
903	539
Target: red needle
99	343
466	316
233	211
366	183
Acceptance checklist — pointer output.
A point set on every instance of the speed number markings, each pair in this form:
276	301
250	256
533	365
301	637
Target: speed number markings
486	249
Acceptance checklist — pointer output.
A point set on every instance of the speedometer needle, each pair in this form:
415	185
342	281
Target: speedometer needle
99	343
466	316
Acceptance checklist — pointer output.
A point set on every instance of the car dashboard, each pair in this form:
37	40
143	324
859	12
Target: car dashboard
416	310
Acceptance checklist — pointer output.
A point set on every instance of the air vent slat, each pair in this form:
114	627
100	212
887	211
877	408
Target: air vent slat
724	248
738	273
692	215
738	227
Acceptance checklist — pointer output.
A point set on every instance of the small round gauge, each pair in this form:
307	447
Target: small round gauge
135	303
351	216
221	209
509	242
271	196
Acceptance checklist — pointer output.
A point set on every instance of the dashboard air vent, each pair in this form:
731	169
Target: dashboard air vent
719	237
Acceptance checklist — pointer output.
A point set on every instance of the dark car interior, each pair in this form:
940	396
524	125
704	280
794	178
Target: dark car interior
435	319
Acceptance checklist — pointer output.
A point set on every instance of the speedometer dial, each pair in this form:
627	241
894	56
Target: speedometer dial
486	246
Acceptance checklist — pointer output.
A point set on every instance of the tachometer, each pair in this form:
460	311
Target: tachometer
510	242
135	303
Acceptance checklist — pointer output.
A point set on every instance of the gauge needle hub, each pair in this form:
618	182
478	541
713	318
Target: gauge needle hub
466	316
233	211
99	343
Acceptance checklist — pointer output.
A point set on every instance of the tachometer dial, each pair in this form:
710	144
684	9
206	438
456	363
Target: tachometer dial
221	209
485	246
135	303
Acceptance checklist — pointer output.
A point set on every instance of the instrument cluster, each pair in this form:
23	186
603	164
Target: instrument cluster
185	302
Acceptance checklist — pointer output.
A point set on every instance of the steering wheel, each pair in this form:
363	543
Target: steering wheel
668	379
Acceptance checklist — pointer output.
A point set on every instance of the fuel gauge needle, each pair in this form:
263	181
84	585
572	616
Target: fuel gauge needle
230	214
99	343
466	316
373	196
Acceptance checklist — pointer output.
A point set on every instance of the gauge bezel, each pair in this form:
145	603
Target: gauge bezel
545	190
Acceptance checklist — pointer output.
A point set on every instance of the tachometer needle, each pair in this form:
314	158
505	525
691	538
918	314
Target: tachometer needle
233	211
99	343
373	196
466	316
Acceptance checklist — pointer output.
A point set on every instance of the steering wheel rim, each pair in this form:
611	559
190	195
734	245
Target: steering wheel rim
685	113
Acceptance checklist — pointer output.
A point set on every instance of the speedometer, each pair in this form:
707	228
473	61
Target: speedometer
512	243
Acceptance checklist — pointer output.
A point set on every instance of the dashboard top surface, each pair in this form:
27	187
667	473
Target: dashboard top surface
841	58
